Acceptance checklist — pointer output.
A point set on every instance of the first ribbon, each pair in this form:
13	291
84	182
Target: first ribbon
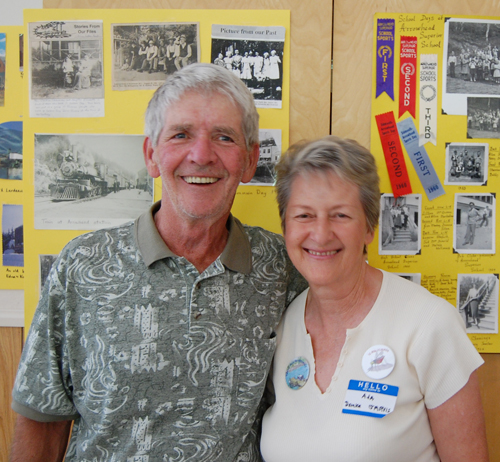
385	57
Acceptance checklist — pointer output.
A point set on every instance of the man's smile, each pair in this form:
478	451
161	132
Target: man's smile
199	179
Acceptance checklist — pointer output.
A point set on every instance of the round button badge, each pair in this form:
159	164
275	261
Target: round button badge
297	373
378	361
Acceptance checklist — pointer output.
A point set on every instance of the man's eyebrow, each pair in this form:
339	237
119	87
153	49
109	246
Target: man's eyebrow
225	129
178	127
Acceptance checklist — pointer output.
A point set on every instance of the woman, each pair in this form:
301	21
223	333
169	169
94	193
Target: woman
473	299
369	366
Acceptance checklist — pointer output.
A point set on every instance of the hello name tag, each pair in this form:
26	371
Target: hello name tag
371	399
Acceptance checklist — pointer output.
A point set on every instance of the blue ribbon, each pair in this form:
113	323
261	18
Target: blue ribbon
385	57
420	159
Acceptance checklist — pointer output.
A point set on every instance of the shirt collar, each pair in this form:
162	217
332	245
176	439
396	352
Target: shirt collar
237	255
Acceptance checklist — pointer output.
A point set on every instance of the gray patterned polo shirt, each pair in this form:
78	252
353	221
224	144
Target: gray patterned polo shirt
152	360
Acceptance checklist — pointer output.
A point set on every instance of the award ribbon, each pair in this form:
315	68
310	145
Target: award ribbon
393	153
428	99
420	159
385	57
408	75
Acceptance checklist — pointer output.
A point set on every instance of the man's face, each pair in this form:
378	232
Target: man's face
201	156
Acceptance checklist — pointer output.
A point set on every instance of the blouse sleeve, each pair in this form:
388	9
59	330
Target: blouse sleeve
443	355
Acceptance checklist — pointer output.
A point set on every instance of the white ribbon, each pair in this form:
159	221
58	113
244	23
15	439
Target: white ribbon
428	99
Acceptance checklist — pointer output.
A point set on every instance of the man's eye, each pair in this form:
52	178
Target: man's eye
180	135
225	138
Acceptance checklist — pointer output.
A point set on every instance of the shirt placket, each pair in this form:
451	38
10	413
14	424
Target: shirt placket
194	286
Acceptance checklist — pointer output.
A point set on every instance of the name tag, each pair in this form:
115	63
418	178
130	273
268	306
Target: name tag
372	399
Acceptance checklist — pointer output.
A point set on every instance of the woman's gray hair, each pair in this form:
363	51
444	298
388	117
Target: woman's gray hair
204	79
346	158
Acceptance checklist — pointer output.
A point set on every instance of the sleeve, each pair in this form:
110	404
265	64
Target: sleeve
296	283
42	389
443	355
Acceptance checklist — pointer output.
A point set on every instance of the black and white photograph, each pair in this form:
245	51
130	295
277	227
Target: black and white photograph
270	153
46	262
66	69
466	164
145	54
255	55
474	223
471	62
11	150
12	235
413	277
477	302
483	117
399	227
87	182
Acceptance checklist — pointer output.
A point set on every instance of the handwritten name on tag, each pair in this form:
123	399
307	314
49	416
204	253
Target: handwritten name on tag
371	399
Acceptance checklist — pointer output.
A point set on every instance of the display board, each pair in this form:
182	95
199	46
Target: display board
12	180
434	131
86	91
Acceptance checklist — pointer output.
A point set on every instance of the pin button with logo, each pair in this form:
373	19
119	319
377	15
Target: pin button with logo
378	361
297	373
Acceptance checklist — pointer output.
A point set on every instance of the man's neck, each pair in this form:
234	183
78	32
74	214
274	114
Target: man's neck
198	241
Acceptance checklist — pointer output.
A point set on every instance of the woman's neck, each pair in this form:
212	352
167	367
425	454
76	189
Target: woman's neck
344	307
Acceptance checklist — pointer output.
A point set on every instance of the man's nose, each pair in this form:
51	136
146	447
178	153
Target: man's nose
202	151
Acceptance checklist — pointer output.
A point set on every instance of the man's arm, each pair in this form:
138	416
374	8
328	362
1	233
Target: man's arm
39	441
458	426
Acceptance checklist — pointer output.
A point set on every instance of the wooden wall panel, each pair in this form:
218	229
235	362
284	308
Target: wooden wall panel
10	351
310	65
351	106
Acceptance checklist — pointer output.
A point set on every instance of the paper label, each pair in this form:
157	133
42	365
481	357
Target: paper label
371	399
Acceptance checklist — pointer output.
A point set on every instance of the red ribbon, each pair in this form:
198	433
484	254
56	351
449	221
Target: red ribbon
407	75
393	153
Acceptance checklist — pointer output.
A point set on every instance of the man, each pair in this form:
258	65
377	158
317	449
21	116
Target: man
156	337
183	53
472	218
484	218
151	61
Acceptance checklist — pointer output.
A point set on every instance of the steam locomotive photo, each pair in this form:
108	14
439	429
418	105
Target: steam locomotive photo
83	181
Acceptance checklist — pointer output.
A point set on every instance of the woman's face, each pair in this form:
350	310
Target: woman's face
326	229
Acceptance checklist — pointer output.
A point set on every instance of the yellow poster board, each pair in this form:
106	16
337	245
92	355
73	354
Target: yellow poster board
12	180
123	109
443	235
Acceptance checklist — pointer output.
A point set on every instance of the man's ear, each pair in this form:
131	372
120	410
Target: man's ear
253	158
149	150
